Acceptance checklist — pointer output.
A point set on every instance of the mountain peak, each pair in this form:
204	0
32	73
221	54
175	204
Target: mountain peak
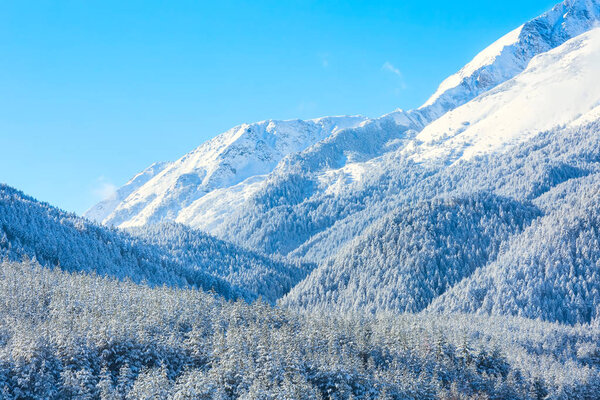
163	190
509	56
559	87
205	185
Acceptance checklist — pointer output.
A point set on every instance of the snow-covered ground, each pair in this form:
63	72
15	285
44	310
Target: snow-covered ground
557	88
511	54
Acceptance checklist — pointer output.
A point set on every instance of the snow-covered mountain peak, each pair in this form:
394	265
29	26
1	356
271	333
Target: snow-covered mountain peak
492	54
471	109
242	152
559	87
509	56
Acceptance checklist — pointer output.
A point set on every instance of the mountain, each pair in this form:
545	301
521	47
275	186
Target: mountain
390	249
408	211
39	231
225	173
510	55
244	153
297	210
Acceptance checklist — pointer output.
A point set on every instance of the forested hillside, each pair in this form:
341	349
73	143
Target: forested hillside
409	258
39	231
268	277
550	271
81	336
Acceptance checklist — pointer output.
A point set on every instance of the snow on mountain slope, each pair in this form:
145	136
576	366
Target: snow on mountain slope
208	186
246	151
103	209
511	54
209	211
330	166
557	88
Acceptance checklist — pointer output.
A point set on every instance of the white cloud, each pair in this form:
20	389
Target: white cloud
324	57
388	66
103	189
306	107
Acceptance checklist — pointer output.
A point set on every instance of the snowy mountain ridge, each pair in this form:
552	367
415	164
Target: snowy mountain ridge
557	88
202	187
510	55
242	152
312	214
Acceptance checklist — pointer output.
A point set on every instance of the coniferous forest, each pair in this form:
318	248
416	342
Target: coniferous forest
76	335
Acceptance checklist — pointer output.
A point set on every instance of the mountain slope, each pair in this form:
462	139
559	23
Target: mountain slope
557	88
341	149
409	258
54	238
255	273
246	151
551	271
37	230
511	54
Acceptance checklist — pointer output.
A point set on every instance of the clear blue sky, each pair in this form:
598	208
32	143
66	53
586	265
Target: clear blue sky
92	92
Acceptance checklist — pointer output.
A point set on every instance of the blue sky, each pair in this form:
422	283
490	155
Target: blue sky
92	92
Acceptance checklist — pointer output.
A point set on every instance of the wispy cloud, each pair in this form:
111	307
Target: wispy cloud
388	66
104	189
324	57
306	107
